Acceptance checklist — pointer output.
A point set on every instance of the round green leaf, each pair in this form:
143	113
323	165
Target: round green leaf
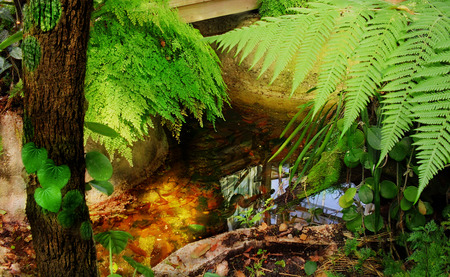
51	175
410	193
355	224
393	210
32	157
86	230
350	194
344	203
72	200
388	189
310	267
66	218
101	129
98	166
401	149
414	219
365	194
370	182
350	213
116	239
48	198
369	222
374	137
446	212
405	204
103	186
356	139
352	157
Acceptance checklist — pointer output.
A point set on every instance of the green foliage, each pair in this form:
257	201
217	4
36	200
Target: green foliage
310	267
279	7
45	13
86	230
114	241
98	166
143	61
144	270
72	200
101	129
103	186
368	49
32	157
431	251
48	198
66	219
31	52
250	217
50	174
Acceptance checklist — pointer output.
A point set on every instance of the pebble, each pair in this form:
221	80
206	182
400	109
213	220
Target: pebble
283	227
222	269
290	236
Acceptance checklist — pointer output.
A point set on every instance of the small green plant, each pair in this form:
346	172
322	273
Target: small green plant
431	248
310	267
256	268
279	7
115	242
251	217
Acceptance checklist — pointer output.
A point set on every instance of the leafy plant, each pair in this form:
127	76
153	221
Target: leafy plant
398	52
279	7
115	242
256	268
251	217
310	267
431	251
144	62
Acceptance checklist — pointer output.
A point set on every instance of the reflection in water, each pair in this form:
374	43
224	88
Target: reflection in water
175	210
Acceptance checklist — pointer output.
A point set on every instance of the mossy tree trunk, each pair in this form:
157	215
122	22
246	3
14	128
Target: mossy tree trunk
54	46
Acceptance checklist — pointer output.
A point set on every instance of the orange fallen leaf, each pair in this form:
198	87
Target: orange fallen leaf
214	247
262	227
136	249
314	258
200	250
303	236
239	273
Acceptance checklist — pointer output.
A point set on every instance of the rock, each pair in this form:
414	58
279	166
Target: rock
283	227
222	269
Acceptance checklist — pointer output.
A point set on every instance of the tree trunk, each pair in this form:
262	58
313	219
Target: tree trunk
54	117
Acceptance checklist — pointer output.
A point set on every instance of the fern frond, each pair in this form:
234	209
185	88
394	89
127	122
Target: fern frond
312	44
343	41
143	61
421	35
431	109
380	39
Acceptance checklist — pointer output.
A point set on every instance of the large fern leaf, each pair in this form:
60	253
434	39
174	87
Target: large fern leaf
344	40
431	109
404	64
379	41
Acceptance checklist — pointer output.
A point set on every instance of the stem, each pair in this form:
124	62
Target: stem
110	258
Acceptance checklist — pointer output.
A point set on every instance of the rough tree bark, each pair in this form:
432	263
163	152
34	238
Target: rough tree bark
54	117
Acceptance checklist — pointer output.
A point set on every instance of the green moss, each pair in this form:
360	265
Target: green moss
27	19
326	172
31	52
46	13
279	7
